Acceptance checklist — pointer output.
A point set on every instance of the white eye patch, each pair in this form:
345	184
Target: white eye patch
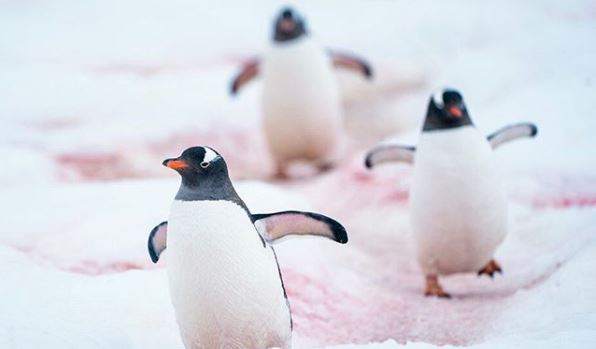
438	98
210	155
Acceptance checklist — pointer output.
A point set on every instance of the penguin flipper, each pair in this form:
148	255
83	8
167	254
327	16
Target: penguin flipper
249	71
343	60
511	133
389	153
157	241
274	226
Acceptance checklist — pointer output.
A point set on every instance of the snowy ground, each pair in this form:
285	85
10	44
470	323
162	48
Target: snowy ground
95	95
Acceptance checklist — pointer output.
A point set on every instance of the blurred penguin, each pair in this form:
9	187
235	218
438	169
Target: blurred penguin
301	104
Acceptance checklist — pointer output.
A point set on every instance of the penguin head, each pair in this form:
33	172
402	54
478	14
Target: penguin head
446	109
197	165
288	26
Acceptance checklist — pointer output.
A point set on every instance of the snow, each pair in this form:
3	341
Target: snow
96	94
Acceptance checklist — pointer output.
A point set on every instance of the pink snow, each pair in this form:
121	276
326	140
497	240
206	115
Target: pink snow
95	96
371	289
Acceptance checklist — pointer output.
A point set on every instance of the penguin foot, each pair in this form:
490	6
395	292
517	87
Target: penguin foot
281	173
433	287
325	166
490	269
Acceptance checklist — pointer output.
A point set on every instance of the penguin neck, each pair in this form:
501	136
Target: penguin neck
291	42
281	36
434	122
217	186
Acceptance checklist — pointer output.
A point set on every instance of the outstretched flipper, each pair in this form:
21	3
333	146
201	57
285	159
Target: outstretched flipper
511	133
274	226
157	241
389	153
249	71
347	61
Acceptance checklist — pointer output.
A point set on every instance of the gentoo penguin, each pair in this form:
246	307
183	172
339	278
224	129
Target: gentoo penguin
302	111
225	283
458	210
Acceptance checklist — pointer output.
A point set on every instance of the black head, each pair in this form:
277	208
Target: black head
446	109
288	26
204	175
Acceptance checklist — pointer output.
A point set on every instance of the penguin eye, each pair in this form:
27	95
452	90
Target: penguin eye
205	164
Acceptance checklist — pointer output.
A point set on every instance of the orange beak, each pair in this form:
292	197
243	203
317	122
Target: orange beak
455	111
175	164
287	25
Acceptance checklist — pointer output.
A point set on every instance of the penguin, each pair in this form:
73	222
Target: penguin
225	282
301	104
458	210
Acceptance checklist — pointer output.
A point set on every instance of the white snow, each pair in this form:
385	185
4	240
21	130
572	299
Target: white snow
94	95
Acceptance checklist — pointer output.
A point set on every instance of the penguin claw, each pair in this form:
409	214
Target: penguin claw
280	177
490	269
438	294
280	174
434	289
325	167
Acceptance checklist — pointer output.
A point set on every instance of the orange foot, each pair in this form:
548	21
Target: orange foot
433	288
325	166
490	269
280	173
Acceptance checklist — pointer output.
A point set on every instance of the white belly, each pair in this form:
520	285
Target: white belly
225	286
458	210
302	113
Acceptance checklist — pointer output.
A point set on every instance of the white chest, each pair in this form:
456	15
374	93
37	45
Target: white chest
299	75
297	65
458	210
224	284
302	111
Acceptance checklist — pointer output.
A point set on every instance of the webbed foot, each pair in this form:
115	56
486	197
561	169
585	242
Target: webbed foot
490	269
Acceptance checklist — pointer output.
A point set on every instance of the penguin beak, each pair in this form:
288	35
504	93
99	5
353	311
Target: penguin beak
175	164
455	111
287	25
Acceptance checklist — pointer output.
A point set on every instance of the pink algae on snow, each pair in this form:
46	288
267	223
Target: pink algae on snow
383	297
